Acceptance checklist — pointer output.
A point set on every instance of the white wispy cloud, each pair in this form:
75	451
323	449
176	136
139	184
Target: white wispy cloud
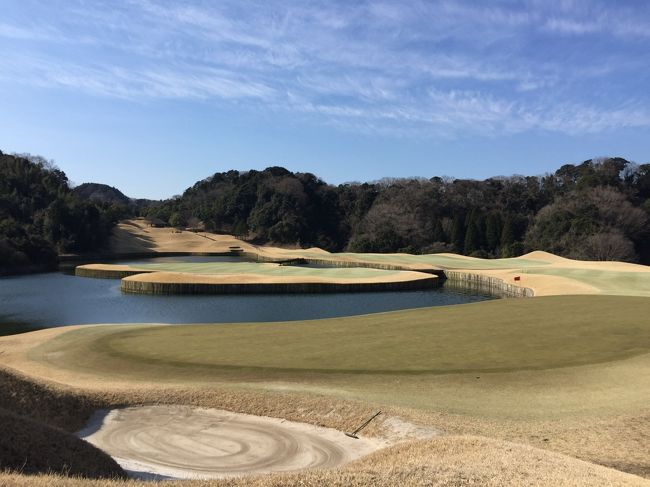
430	68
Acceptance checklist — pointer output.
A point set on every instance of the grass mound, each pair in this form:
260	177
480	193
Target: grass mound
33	437
53	406
31	447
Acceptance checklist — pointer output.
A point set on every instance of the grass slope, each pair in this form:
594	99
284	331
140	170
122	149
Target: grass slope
33	437
31	447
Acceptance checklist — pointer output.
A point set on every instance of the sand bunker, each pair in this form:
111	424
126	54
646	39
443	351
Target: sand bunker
154	442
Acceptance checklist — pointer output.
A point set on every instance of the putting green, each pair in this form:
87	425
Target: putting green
264	269
485	337
541	358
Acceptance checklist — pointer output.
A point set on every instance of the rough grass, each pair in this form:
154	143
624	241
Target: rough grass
33	437
448	461
619	441
29	446
56	406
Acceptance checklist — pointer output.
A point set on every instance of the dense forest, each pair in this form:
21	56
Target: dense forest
598	209
41	217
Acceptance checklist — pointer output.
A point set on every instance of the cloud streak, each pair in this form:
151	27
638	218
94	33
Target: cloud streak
426	69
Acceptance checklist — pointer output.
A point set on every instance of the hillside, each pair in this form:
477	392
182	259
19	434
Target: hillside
102	193
597	210
40	216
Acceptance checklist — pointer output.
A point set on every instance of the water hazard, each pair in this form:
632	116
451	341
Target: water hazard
59	298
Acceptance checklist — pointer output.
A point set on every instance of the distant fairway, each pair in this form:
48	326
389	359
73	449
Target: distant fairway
447	261
608	282
435	261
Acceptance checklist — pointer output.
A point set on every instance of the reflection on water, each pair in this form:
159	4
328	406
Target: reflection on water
57	299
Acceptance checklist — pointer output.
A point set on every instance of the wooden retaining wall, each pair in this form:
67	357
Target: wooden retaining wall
140	287
493	286
488	284
373	265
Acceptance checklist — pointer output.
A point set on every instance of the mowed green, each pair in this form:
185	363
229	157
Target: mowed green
266	269
530	357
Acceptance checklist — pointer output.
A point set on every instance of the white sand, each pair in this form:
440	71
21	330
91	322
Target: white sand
155	442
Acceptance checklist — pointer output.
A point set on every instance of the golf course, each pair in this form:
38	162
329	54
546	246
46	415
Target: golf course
561	381
324	244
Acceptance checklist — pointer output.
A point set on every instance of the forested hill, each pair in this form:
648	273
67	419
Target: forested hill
101	192
40	216
109	195
595	210
599	209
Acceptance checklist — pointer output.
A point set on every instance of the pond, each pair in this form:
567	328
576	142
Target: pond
59	298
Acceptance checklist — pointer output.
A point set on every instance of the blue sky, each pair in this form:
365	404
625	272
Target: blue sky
150	96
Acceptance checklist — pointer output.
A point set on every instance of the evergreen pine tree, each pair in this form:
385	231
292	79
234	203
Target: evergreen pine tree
493	232
458	233
472	234
438	233
507	236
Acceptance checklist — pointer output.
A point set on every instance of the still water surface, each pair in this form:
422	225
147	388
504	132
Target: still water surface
58	298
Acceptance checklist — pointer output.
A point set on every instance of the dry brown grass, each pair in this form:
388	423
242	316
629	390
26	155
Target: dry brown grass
29	446
36	421
135	236
619	442
444	461
55	405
